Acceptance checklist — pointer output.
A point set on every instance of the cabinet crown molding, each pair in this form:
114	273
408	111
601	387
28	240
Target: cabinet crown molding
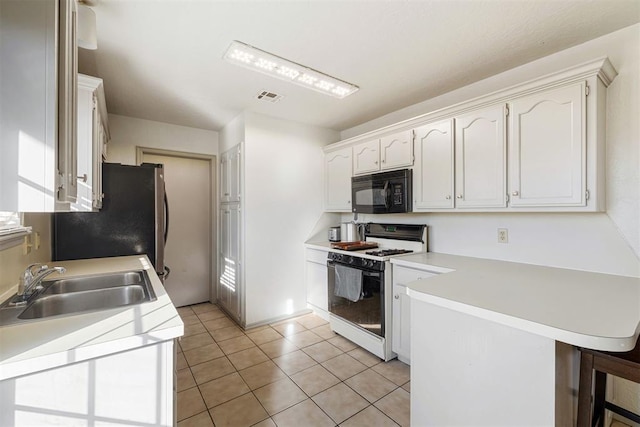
600	67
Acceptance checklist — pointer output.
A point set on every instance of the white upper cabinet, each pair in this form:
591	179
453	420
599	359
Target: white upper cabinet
93	135
389	152
396	150
433	171
338	171
547	148
38	80
550	158
366	157
480	159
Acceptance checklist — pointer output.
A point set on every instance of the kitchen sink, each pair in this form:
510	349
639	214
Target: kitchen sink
76	295
89	283
75	302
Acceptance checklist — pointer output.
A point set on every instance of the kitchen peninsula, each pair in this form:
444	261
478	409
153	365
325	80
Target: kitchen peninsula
113	366
498	337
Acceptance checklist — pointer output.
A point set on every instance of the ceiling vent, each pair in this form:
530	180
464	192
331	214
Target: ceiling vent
268	96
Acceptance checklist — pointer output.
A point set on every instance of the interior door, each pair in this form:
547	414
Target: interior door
188	183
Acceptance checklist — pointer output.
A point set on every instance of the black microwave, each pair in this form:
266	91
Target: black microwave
384	192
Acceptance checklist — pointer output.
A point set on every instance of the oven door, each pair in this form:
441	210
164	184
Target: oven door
366	313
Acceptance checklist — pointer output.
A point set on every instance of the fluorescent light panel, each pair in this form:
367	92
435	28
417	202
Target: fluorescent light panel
258	60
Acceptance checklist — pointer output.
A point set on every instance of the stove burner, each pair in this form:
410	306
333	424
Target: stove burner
387	252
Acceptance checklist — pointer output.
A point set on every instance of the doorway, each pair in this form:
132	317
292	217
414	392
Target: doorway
190	180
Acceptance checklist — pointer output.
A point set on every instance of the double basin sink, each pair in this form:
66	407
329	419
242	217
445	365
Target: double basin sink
76	295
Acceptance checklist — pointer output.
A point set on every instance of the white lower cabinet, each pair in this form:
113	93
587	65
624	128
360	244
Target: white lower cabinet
316	280
401	310
134	387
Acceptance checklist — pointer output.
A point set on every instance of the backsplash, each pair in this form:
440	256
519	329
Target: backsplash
13	261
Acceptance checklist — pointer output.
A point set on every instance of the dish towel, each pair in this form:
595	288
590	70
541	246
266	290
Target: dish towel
348	283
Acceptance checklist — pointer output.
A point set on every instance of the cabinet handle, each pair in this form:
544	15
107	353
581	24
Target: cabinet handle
515	193
448	197
83	178
396	296
349	201
382	160
375	163
459	196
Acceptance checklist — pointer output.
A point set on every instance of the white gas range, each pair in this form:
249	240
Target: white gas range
360	284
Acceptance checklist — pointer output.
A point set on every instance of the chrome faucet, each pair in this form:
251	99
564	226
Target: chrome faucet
30	281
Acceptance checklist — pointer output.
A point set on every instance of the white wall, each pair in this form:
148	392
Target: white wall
283	201
605	242
127	133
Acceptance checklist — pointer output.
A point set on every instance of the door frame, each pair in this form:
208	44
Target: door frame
213	220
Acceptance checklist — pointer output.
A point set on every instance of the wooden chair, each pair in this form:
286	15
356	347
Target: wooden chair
622	365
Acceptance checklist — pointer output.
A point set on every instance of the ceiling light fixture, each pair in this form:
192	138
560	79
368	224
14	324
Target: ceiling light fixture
258	60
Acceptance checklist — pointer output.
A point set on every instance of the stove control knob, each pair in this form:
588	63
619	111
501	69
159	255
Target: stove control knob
351	260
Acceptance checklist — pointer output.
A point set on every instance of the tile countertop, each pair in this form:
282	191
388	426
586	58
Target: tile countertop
44	344
592	310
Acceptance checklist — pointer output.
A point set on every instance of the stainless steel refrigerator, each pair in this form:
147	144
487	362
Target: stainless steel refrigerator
133	220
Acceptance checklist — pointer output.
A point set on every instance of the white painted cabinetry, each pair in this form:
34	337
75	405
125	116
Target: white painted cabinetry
366	157
93	135
38	81
317	281
389	152
230	263
480	158
401	310
433	171
547	148
338	171
230	162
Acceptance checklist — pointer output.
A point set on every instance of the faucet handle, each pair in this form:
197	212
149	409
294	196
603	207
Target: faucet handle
29	269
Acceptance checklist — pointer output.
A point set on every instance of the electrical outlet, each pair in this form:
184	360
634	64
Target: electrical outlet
503	235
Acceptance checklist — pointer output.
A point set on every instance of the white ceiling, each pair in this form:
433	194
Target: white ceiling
162	59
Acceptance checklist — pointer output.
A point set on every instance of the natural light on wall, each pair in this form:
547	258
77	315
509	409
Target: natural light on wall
255	59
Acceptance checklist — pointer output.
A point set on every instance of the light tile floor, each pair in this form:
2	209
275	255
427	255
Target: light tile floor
292	373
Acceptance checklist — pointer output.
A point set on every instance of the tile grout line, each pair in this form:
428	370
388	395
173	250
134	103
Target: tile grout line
287	376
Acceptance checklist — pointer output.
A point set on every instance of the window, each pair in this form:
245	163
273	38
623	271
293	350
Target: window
12	229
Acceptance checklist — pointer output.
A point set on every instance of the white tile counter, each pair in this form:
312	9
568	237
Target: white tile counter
592	310
43	344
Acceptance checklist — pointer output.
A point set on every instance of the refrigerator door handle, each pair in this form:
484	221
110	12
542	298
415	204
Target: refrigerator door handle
166	217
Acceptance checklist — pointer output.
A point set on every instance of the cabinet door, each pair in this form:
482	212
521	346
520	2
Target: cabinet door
38	103
547	149
92	135
225	190
401	315
230	169
366	157
400	340
235	159
316	278
86	121
480	155
337	167
229	292
396	150
433	171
